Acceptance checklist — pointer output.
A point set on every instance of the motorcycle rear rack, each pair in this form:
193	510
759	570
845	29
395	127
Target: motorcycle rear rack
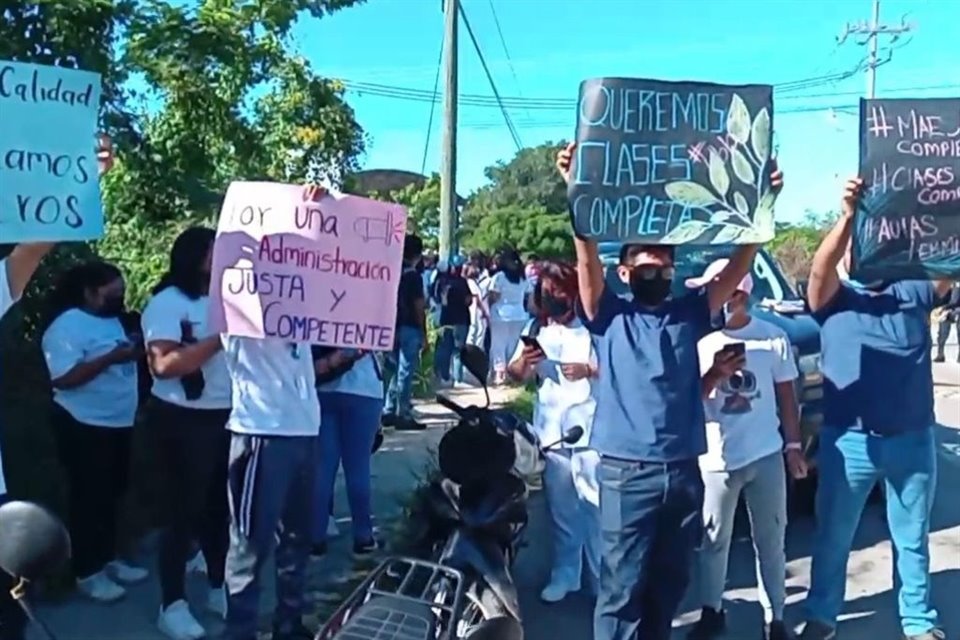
402	599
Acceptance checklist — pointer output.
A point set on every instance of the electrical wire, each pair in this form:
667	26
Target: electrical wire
546	104
506	114
561	104
433	106
506	51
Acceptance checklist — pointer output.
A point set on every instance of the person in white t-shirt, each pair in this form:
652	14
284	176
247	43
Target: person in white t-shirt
350	388
479	312
274	422
507	298
93	370
188	412
748	389
564	363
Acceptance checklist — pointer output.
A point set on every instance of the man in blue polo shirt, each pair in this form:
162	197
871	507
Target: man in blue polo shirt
649	427
878	425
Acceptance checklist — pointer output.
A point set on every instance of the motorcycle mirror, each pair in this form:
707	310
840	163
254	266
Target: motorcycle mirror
573	435
476	362
33	541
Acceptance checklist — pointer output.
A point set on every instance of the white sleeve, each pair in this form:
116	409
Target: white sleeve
161	319
494	283
6	296
62	347
785	366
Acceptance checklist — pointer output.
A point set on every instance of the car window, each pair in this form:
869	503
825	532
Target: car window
691	261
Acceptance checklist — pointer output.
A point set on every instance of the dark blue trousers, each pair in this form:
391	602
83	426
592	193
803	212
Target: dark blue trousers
651	525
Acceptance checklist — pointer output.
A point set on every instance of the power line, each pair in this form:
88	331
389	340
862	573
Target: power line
496	100
559	104
506	51
493	86
873	30
433	108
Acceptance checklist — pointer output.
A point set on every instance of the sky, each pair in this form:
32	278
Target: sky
549	46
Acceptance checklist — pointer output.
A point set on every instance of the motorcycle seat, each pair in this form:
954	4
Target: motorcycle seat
391	618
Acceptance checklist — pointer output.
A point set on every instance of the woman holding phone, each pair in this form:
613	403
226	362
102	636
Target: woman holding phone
556	350
93	370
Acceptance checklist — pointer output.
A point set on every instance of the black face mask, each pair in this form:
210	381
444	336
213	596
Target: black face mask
112	307
554	307
420	266
649	292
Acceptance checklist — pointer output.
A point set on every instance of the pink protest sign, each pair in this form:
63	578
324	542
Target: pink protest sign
322	272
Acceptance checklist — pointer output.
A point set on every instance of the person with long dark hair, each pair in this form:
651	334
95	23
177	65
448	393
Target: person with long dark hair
93	371
188	410
559	355
507	296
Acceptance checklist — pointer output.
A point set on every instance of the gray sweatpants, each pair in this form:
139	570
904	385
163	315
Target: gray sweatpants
270	489
764	486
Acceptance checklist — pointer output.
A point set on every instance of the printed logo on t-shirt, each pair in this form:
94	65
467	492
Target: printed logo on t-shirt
740	390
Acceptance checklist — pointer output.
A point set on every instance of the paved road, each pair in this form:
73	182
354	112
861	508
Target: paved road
396	467
870	612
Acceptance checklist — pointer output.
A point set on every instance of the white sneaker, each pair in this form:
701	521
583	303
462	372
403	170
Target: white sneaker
555	592
101	588
217	602
197	564
332	529
127	573
178	623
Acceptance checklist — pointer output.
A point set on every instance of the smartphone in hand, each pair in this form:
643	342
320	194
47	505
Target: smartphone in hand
531	342
736	349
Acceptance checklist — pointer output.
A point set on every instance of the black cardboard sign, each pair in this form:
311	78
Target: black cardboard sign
908	221
673	162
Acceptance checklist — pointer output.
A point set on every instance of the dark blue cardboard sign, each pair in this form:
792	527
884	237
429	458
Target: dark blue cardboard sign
673	162
908	222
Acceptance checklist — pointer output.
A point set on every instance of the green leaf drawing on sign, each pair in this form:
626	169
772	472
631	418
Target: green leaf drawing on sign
722	217
718	174
728	234
741	203
763	220
741	167
689	230
690	194
760	135
738	120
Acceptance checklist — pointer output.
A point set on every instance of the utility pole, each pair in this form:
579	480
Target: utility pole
448	155
872	31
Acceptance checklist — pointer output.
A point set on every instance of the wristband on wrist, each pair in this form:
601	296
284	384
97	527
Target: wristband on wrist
792	446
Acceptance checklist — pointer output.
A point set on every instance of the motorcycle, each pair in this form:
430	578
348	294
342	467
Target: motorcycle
34	544
475	516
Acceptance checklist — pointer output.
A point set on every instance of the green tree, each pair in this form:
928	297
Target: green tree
423	209
195	95
525	206
528	180
794	244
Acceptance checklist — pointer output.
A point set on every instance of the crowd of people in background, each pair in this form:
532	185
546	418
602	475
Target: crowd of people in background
687	403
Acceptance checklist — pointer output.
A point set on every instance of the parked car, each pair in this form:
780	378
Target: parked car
774	300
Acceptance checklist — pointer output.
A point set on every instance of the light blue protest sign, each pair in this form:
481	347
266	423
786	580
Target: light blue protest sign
49	187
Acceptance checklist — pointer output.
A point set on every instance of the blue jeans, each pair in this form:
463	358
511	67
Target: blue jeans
270	491
348	426
850	463
449	343
651	523
403	363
